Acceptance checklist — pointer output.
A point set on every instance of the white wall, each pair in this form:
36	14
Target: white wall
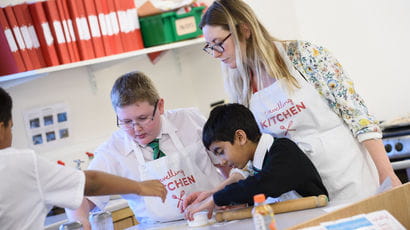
371	38
278	16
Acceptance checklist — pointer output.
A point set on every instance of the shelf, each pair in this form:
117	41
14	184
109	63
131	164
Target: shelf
44	71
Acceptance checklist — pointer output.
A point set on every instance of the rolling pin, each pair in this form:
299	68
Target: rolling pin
279	207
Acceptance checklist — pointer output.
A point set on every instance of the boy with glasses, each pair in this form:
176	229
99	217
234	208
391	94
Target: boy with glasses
152	143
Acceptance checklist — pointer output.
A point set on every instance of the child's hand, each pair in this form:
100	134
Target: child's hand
207	204
194	198
153	188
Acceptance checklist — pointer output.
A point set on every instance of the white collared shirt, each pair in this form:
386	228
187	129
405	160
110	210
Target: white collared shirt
265	142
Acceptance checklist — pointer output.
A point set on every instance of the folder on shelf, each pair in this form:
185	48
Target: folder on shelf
18	37
71	45
112	24
132	14
105	35
25	22
81	29
129	25
53	18
12	61
96	36
8	64
44	34
74	38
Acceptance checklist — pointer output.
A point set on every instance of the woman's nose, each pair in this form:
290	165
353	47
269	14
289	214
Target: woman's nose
216	54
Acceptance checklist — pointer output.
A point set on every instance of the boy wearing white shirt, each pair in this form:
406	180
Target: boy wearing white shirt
32	185
182	163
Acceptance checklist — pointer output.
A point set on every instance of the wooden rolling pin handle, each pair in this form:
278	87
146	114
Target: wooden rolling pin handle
280	207
300	204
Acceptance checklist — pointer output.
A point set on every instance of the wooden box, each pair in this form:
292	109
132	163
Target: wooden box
395	201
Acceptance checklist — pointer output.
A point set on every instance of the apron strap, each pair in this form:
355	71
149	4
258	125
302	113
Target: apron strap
177	142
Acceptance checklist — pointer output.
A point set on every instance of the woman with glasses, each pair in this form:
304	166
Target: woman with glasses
152	143
298	90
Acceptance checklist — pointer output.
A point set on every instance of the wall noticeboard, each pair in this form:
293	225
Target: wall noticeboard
48	125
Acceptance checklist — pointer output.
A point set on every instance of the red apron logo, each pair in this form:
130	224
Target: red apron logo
180	200
288	128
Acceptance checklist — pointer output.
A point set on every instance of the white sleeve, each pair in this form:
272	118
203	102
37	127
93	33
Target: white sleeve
245	171
98	163
60	186
197	116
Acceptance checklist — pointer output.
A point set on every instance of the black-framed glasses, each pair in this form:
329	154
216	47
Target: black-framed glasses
141	122
217	46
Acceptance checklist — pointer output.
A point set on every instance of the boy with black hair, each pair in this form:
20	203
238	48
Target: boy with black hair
232	134
31	185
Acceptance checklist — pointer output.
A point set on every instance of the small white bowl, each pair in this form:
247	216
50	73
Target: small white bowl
200	219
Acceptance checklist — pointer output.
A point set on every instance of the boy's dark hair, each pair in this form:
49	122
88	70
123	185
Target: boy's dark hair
223	122
5	107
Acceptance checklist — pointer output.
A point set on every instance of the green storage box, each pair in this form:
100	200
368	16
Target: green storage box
170	27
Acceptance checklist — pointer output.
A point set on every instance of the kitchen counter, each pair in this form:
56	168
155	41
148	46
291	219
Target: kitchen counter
283	221
54	222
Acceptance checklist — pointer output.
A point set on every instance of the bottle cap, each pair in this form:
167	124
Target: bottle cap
259	198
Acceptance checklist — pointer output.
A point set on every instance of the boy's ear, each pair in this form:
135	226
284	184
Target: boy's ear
241	137
161	106
2	131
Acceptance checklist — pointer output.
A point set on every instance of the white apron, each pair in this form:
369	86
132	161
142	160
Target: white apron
302	115
180	175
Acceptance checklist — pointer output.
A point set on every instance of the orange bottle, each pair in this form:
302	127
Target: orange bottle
262	214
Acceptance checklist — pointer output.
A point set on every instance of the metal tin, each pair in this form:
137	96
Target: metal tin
101	221
73	225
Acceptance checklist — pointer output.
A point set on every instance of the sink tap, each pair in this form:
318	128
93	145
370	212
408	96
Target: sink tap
78	162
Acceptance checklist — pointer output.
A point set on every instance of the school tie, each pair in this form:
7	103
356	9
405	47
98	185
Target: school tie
155	147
